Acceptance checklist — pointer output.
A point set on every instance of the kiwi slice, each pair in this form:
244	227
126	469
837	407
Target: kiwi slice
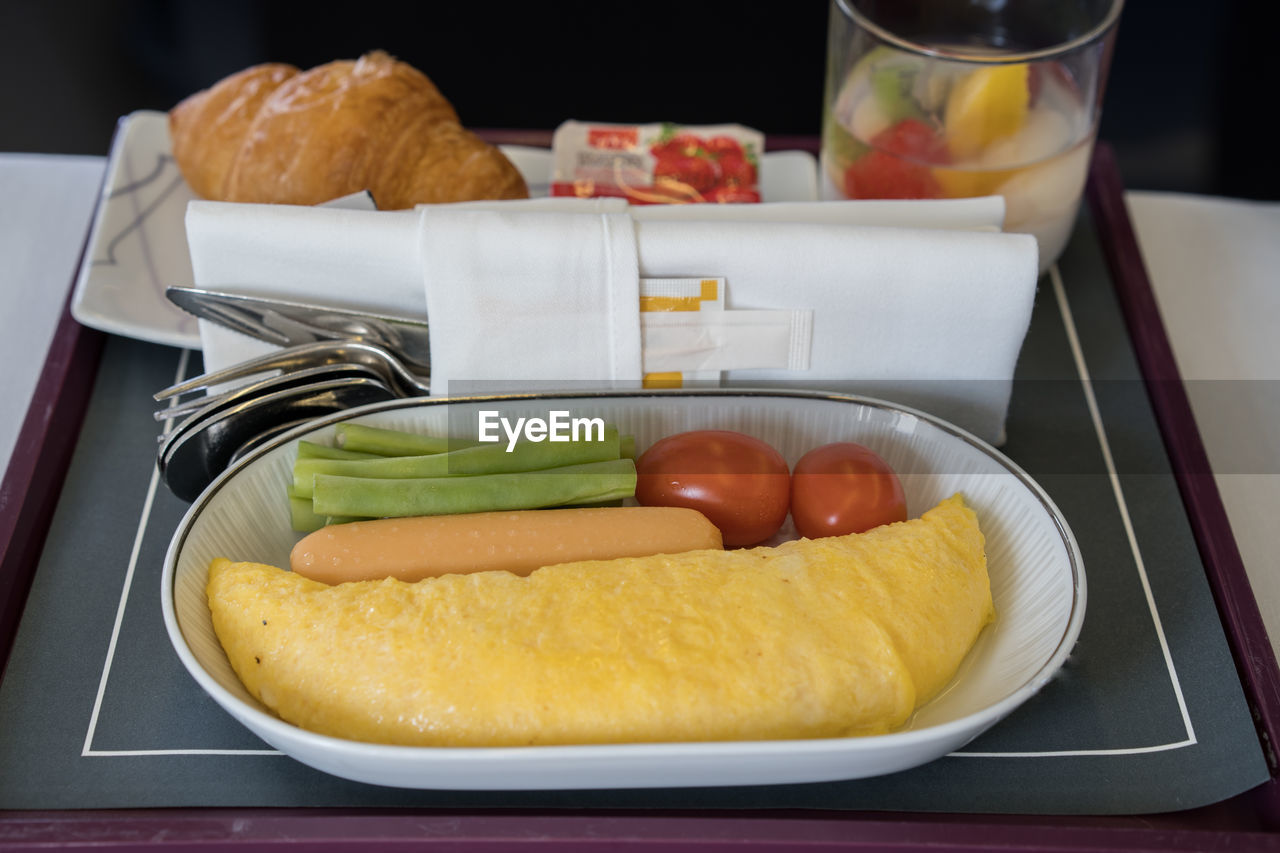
893	77
893	87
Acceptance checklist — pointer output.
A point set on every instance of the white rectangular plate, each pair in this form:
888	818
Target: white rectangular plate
138	244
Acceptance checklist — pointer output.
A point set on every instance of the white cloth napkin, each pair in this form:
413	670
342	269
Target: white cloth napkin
547	289
545	298
349	258
932	319
977	214
984	213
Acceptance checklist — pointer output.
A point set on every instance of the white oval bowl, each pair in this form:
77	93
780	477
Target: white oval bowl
1037	582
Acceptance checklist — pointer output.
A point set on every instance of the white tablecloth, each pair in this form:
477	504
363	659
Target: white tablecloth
45	205
1213	262
1215	266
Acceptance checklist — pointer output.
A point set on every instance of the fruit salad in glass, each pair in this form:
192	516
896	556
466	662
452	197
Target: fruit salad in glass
903	125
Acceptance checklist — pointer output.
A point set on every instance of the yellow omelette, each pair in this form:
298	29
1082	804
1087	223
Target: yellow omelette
813	638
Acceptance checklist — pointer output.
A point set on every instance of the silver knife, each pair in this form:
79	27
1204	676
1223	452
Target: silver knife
286	323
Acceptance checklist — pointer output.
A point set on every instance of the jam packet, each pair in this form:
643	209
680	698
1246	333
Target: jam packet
657	163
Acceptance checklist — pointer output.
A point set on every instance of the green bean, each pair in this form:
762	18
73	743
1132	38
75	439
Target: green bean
571	484
304	519
391	442
314	450
494	458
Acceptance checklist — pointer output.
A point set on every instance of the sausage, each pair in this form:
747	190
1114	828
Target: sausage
411	549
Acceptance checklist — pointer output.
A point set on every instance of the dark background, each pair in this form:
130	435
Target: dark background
1190	104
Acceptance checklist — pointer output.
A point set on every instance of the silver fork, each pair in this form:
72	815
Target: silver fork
303	357
274	382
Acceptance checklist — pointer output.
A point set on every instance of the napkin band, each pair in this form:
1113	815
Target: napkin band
553	297
530	298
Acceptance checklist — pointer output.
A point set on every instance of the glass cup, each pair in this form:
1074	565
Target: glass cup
962	98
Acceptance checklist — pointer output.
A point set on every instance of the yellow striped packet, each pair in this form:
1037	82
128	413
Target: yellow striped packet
681	294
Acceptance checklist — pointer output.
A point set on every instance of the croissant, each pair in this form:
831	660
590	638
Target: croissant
275	134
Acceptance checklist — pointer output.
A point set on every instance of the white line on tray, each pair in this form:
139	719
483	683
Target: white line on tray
1068	753
87	749
1086	383
147	753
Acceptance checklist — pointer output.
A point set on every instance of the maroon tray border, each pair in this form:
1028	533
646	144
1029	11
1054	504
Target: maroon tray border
1246	632
33	481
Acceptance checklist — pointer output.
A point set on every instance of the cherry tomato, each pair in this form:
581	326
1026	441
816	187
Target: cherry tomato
844	488
738	482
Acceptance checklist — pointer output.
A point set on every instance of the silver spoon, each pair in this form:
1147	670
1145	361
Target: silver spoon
191	459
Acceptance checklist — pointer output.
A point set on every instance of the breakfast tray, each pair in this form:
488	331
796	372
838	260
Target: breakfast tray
1156	734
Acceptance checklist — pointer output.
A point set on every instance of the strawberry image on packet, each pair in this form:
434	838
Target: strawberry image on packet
657	163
